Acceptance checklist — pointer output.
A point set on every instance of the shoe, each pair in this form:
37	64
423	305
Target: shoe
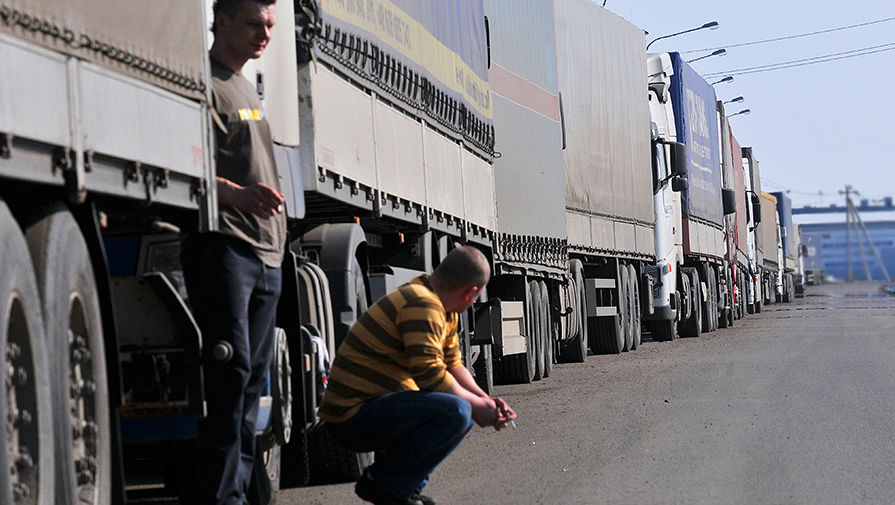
369	490
425	500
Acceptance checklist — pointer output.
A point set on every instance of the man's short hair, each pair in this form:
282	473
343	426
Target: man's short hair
229	7
462	268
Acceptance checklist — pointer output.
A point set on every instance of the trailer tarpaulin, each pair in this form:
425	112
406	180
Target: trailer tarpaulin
158	41
601	59
432	56
693	100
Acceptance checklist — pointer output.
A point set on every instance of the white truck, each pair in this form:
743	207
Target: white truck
689	201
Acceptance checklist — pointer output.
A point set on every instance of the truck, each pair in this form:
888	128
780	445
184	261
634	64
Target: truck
772	248
689	200
607	169
726	272
790	244
741	228
752	177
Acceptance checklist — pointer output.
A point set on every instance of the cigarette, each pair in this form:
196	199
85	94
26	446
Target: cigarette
280	208
512	424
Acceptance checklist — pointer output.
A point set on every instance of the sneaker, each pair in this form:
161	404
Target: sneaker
369	490
425	500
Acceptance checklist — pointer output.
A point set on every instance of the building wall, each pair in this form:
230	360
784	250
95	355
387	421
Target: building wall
827	250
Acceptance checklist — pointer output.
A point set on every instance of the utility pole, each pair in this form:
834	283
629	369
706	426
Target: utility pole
849	190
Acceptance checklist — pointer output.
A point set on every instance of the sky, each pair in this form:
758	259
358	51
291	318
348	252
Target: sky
815	128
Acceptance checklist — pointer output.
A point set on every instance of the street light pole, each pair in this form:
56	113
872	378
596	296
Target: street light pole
710	25
738	99
719	52
744	112
728	78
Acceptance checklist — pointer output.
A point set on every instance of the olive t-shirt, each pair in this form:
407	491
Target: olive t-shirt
245	156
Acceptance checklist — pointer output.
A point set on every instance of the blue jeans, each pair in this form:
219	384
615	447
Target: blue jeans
234	298
412	432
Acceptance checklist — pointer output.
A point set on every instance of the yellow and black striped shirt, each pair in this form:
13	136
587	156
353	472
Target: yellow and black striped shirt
404	342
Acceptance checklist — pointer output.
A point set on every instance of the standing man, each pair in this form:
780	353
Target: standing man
398	385
233	275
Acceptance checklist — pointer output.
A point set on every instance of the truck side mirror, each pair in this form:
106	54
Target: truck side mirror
756	211
729	199
679	184
678	159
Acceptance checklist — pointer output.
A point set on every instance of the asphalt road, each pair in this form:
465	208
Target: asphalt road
793	405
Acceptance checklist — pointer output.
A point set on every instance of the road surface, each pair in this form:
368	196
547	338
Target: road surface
793	405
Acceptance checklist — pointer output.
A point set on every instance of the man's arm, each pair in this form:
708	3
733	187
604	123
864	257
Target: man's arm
258	199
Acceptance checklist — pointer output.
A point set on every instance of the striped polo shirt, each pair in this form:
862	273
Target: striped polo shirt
404	342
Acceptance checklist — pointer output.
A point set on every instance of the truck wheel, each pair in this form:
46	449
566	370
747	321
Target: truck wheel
26	445
484	369
705	305
692	326
548	329
265	484
664	330
536	328
77	353
634	292
330	462
574	350
624	307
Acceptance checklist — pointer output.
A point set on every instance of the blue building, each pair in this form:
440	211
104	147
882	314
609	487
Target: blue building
827	251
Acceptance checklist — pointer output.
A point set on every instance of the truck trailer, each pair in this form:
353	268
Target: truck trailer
772	246
606	165
690	203
752	175
786	285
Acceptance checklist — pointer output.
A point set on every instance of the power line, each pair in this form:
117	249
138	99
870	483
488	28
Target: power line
789	37
807	61
744	69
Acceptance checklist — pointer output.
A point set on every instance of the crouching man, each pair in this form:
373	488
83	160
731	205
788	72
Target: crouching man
398	385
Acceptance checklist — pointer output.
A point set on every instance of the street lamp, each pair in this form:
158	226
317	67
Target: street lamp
738	99
744	112
729	78
710	25
719	52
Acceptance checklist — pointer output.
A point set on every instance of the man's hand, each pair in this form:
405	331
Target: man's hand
258	199
484	411
506	414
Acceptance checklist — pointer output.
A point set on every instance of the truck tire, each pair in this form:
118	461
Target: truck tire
536	328
330	462
264	488
664	330
27	468
693	325
636	311
624	307
484	369
574	350
77	352
725	313
295	467
548	330
705	305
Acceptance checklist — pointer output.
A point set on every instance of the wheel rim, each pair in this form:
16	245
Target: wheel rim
82	403
21	403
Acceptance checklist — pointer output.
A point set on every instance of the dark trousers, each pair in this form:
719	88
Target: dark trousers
412	433
234	298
